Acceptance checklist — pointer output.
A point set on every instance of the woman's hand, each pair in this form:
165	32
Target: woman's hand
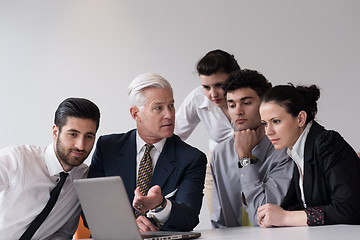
271	215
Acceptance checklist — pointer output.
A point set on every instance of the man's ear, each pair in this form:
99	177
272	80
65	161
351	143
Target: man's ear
55	132
134	112
302	116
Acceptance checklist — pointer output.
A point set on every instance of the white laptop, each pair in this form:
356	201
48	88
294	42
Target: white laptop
109	214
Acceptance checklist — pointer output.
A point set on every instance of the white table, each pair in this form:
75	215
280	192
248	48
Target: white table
329	232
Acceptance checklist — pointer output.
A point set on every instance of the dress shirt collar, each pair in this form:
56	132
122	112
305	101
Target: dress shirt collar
53	165
297	152
140	144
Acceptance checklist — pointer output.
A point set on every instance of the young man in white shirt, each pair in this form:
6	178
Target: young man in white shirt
28	174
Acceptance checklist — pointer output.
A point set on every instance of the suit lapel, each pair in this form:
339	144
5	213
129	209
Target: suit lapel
296	177
165	164
309	161
126	162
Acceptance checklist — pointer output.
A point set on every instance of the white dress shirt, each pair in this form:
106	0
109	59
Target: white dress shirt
297	154
27	176
198	108
162	216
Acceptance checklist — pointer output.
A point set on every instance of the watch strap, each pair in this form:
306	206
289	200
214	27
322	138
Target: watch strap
253	160
160	207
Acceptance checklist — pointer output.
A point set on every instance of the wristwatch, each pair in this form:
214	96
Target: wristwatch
160	207
245	161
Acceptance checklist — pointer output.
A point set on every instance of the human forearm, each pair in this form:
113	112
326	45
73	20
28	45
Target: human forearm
295	219
271	215
258	190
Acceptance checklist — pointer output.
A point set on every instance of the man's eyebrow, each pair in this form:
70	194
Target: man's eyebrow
73	130
241	99
161	103
77	131
245	98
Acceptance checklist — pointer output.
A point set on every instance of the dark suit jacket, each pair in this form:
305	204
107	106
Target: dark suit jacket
179	166
331	176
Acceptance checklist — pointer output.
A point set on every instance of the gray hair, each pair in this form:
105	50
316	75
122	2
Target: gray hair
141	82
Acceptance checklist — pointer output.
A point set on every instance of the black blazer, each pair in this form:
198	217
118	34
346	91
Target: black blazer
331	176
179	166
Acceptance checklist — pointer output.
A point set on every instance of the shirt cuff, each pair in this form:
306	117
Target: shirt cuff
162	216
315	216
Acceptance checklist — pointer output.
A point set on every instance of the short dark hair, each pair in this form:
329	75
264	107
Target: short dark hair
217	61
246	78
295	99
76	107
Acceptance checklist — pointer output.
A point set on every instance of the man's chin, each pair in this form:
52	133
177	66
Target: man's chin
243	127
167	134
167	131
77	161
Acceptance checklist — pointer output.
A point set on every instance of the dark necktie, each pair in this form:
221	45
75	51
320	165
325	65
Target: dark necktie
36	223
144	174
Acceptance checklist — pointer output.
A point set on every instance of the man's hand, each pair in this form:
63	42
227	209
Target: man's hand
145	225
151	201
246	140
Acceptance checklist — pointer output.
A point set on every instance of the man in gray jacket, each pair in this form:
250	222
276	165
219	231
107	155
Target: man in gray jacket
247	170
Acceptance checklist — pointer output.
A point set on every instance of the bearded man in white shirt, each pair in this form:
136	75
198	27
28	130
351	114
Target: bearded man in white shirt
28	174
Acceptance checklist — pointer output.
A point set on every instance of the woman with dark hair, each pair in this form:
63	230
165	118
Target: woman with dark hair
326	176
207	104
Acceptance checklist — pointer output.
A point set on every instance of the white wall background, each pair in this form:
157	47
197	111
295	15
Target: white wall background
51	50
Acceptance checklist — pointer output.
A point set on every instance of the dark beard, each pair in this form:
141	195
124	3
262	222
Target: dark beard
66	157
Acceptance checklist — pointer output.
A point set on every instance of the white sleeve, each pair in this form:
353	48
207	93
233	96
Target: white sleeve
162	216
4	170
186	118
4	180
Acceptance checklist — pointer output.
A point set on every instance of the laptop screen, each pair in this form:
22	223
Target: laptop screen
109	214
